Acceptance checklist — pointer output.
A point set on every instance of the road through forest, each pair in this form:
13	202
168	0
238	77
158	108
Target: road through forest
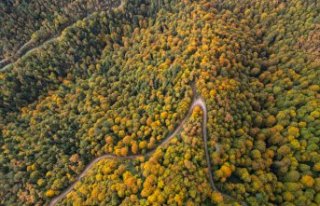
198	101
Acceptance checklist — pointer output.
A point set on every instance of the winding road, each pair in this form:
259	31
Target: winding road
198	101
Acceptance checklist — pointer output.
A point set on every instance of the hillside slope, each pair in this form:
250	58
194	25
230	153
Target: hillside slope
118	80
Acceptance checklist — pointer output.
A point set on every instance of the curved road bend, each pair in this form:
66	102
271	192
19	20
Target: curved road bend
198	101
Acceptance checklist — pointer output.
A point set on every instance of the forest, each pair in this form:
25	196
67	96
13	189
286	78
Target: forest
160	102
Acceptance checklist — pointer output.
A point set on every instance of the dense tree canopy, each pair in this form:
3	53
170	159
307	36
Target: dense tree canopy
110	77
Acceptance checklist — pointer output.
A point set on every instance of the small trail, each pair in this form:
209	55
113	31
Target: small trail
7	66
198	101
27	48
4	62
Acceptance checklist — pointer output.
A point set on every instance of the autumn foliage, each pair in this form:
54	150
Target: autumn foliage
110	79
